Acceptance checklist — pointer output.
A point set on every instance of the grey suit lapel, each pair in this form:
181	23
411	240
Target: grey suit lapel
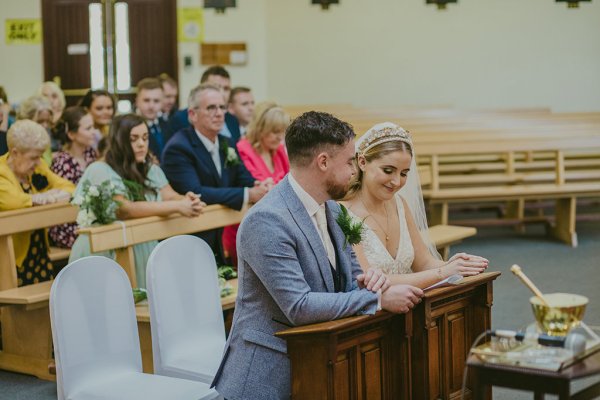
307	227
338	239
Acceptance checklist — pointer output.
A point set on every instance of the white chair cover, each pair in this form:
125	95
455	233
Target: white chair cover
96	343
186	318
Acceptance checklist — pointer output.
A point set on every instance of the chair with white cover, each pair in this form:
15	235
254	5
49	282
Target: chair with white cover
96	343
186	317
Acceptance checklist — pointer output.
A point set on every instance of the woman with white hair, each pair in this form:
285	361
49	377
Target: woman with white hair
26	181
39	109
385	196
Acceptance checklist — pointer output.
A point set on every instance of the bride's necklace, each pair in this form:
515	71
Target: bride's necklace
387	220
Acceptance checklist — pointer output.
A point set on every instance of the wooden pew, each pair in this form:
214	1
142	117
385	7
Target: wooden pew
121	237
558	183
26	335
25	320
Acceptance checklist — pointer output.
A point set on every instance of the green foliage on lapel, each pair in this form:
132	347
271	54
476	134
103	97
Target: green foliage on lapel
352	230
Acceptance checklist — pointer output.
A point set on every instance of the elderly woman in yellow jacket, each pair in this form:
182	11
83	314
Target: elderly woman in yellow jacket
26	181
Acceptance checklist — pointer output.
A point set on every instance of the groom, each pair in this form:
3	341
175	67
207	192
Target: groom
294	268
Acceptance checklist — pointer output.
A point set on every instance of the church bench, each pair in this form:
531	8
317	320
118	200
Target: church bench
122	236
26	339
58	253
26	336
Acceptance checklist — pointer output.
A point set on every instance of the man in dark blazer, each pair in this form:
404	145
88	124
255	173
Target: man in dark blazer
217	76
148	102
197	159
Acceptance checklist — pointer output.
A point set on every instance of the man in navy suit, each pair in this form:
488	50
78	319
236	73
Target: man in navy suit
148	103
217	76
200	160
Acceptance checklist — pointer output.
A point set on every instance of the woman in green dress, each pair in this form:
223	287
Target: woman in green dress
127	165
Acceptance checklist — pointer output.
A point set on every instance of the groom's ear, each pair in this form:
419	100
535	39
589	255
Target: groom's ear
322	160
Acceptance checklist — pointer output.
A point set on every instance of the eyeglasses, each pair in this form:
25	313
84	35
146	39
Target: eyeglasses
212	109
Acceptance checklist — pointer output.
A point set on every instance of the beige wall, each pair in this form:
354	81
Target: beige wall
21	66
477	53
245	23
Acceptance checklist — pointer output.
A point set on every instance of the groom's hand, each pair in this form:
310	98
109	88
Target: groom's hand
401	298
373	280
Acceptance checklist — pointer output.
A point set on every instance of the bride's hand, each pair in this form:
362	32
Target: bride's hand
465	264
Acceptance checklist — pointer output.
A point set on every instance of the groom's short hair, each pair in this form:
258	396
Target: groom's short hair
313	131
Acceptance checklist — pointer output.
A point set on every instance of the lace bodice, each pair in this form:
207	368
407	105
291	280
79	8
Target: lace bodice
376	253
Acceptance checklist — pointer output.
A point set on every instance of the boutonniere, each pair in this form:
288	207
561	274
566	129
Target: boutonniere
39	182
135	191
231	157
352	230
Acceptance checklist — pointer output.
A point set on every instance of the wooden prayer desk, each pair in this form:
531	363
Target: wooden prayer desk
540	382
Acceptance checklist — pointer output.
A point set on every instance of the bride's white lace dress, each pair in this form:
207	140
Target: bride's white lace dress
376	253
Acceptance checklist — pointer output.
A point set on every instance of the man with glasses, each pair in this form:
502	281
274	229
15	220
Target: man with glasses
218	76
200	160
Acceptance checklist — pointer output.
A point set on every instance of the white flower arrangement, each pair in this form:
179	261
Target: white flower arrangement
96	205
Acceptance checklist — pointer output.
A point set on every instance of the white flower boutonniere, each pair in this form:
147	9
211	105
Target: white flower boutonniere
231	157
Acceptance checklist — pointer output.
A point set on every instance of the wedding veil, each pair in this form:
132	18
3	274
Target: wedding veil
411	191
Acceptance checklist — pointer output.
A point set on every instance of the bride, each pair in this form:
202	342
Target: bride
386	196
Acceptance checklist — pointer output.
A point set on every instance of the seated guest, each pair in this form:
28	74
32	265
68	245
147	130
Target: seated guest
148	103
170	93
26	181
219	77
128	163
386	196
55	95
38	109
263	153
77	153
199	160
6	119
241	106
101	104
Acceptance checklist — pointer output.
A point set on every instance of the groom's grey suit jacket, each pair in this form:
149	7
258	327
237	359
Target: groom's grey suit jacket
285	280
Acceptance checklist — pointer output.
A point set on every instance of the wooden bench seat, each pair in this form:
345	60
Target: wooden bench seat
58	253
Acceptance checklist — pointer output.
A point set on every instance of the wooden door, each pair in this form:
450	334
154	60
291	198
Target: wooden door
152	38
66	33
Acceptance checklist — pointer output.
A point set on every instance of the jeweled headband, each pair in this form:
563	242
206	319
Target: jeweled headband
383	135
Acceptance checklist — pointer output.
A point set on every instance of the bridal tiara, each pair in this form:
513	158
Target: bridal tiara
383	135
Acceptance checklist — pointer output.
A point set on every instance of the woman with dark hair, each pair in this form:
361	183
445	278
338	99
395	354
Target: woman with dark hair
76	130
102	105
140	186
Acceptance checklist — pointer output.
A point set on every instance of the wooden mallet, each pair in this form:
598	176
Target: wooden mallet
515	269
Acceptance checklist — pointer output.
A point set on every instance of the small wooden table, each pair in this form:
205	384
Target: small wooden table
540	382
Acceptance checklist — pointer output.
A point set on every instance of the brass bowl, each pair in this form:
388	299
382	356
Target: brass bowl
565	312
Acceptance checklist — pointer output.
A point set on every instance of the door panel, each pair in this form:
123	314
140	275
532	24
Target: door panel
66	22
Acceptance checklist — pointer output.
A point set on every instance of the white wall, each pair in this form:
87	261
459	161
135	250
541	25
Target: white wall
476	53
21	66
245	23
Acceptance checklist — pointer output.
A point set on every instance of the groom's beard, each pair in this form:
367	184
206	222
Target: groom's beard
335	190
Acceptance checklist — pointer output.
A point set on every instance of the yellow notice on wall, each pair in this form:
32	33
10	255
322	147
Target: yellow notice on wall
23	31
190	23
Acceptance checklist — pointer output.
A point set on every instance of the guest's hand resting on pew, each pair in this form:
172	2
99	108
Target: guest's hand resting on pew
191	205
259	190
50	197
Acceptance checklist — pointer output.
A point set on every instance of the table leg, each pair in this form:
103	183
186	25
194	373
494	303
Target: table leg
538	395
